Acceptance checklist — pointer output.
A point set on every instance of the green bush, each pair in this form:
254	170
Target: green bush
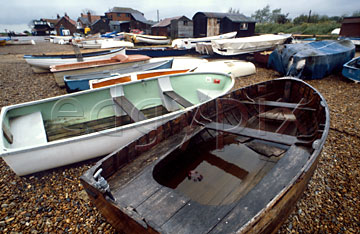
323	28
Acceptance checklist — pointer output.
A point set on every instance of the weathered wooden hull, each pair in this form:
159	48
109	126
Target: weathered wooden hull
137	202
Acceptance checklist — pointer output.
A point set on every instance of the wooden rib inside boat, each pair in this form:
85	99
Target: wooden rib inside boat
237	163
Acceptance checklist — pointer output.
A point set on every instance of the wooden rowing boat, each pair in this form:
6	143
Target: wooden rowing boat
42	63
57	131
74	83
116	62
235	164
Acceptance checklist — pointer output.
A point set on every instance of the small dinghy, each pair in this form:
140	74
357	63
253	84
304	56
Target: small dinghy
57	131
351	70
150	39
42	63
78	68
235	164
74	83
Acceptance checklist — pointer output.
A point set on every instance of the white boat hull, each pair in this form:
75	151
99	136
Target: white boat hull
140	39
65	152
190	43
244	45
40	65
236	68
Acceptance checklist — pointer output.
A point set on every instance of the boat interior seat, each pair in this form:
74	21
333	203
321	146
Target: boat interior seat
171	100
205	95
123	106
28	130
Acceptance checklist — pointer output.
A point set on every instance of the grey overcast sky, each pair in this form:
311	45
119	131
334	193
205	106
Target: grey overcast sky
16	14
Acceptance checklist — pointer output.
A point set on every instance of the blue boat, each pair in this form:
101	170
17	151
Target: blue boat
80	82
157	51
351	69
313	60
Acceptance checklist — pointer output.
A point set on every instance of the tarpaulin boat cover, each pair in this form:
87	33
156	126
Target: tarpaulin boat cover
313	60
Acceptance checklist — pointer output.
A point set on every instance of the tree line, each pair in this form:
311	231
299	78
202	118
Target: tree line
266	15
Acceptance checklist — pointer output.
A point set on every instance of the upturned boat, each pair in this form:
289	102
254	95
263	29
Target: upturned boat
57	131
42	63
150	39
235	164
313	60
116	62
351	69
157	51
244	45
190	43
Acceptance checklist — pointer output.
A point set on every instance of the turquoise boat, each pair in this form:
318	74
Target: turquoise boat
61	130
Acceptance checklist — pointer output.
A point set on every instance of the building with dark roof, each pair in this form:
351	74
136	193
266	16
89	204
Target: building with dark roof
129	19
86	20
174	27
65	26
44	27
350	27
213	23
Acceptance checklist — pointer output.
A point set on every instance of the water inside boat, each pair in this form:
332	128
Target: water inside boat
219	168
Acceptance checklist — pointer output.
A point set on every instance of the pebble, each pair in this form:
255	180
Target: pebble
54	201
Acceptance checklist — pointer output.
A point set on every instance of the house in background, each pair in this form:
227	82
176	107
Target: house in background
163	28
181	27
85	21
212	23
244	26
65	26
44	27
128	19
175	27
350	27
101	25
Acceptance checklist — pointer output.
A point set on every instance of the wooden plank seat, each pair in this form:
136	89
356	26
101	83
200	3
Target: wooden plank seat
177	98
135	114
255	133
280	104
169	95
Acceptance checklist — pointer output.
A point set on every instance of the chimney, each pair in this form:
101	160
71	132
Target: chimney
66	15
89	16
58	16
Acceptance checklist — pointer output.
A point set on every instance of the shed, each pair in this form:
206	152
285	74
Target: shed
163	28
350	27
182	27
213	23
100	26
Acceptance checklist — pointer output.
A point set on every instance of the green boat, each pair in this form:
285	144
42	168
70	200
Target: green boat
61	130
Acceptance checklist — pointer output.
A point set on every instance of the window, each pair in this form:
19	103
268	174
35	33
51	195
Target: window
218	21
243	26
119	14
185	23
